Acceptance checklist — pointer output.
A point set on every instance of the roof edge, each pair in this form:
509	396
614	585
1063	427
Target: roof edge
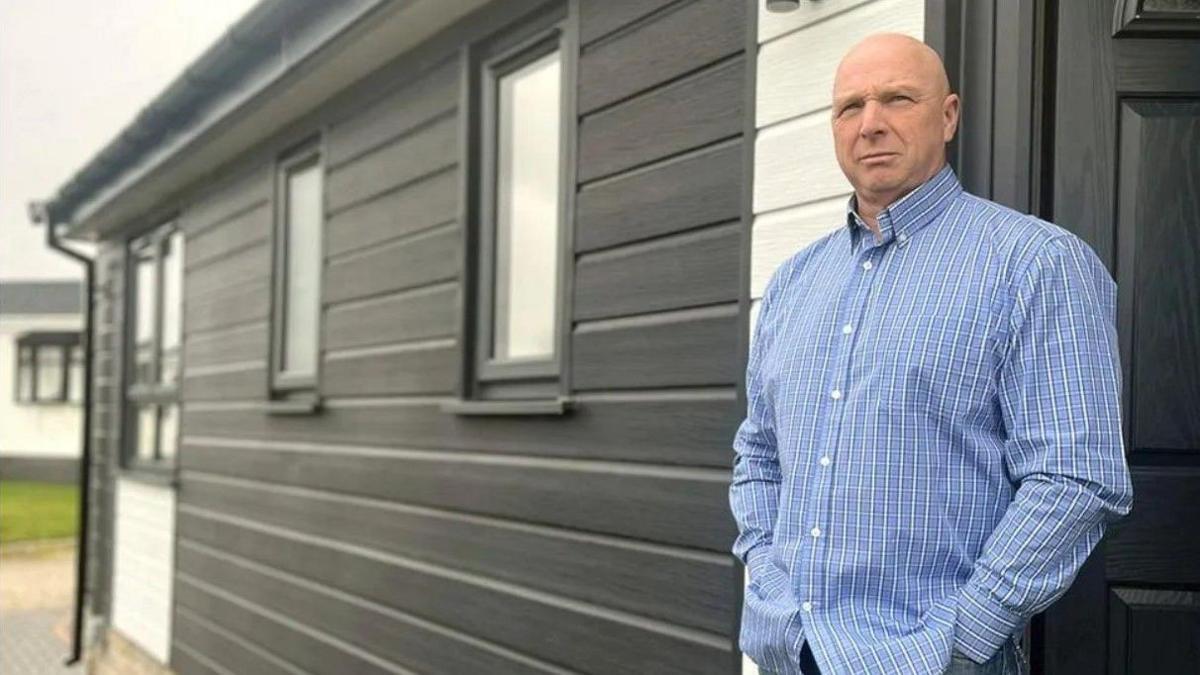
270	40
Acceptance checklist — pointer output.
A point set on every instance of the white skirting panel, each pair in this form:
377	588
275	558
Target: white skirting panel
143	565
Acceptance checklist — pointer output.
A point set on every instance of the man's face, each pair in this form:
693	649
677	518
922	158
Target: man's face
892	117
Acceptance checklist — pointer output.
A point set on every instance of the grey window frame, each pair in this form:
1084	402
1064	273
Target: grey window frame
490	386
138	394
293	394
66	343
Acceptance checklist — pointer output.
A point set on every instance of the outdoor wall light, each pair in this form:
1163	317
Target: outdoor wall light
782	5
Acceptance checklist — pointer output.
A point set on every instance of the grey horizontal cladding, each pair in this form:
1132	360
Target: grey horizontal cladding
104	315
240	232
107	427
233	195
667	428
431	95
700	267
427	312
418	645
313	653
424	369
185	661
430	200
703	108
597	19
102	395
684	588
243	384
192	634
229	306
690	35
271	569
365	635
684	348
681	193
422	259
102	363
244	266
677	507
242	343
41	297
423	151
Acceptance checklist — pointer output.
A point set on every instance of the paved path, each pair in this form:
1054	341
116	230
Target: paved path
36	592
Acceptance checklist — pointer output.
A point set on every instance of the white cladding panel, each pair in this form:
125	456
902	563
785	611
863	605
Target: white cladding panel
795	70
143	565
799	191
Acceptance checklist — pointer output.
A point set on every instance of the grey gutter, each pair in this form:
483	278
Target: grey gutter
262	47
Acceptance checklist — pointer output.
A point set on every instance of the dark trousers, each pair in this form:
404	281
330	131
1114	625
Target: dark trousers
808	665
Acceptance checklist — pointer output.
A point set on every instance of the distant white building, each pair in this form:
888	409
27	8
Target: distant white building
41	380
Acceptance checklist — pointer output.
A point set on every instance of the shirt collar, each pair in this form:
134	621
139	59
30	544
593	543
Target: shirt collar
902	218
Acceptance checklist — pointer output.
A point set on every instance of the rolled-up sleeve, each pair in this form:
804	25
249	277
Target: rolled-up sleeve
754	488
1059	391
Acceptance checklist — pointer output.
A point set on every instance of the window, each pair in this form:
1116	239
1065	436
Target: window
49	368
155	346
522	109
298	255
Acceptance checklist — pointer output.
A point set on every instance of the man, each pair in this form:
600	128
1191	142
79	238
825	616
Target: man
932	444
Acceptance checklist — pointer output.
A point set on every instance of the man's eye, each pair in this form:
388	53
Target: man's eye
849	108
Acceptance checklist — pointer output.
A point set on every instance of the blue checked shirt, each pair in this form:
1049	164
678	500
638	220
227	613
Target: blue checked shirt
932	444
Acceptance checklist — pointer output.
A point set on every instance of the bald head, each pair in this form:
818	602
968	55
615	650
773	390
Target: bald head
897	49
893	114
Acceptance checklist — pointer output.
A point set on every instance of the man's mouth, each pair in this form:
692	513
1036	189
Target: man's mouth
877	155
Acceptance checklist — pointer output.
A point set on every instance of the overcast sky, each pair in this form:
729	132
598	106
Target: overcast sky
73	73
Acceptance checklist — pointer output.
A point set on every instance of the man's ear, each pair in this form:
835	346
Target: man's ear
949	117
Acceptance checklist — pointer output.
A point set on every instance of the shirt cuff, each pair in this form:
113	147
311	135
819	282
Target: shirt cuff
758	559
764	573
983	624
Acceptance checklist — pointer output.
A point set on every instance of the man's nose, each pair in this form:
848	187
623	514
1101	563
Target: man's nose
872	120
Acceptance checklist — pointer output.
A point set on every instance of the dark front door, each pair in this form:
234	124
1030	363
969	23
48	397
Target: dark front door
1126	177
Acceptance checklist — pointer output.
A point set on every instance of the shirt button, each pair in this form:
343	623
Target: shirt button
867	265
825	461
816	532
835	394
902	237
847	329
807	606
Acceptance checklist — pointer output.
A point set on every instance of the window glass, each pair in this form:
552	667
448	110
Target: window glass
49	373
147	432
144	311
172	307
168	430
155	347
75	380
25	375
302	277
527	210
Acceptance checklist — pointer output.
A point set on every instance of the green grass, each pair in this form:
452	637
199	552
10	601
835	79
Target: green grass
37	511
